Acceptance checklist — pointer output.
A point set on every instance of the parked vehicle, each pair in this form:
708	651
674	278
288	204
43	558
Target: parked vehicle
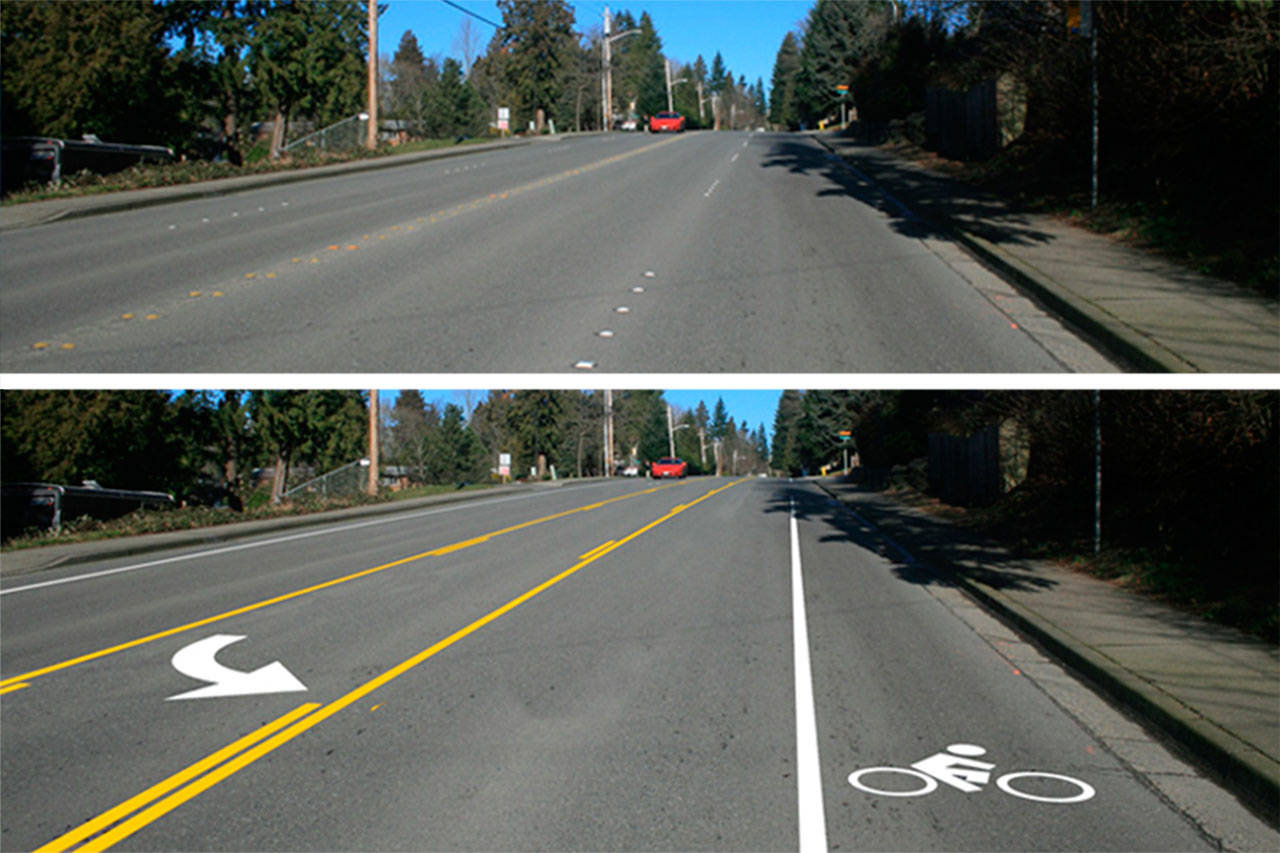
673	122
669	466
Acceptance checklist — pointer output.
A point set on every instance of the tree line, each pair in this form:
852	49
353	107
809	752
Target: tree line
1189	478
1187	93
546	70
207	445
201	75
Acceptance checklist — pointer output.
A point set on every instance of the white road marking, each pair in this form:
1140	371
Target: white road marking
622	309
810	808
712	188
584	365
198	660
735	157
605	333
637	289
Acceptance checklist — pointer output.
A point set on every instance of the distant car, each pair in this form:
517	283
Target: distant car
631	471
670	467
629	125
673	122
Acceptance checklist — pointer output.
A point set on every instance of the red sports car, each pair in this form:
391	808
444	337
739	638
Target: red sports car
673	122
669	467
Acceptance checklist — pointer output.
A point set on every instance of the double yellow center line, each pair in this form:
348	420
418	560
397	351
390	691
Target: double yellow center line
160	799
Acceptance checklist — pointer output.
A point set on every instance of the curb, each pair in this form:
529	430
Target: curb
149	543
1121	340
1250	775
79	207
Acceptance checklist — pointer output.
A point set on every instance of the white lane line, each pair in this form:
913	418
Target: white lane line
712	189
195	555
735	157
812	814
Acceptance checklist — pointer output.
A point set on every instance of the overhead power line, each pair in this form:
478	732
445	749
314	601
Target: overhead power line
469	12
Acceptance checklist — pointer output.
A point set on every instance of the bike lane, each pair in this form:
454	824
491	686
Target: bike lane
930	737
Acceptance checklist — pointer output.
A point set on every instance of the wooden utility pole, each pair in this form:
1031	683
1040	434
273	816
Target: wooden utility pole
372	141
373	442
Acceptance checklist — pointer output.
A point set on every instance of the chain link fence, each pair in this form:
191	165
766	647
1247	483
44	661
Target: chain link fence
344	135
350	479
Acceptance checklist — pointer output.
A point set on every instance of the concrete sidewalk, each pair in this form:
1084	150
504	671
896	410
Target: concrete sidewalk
31	213
1148	311
1212	690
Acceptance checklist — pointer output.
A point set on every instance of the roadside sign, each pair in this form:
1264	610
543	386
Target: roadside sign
504	464
504	118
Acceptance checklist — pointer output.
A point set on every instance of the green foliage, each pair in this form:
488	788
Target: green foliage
93	67
122	439
539	41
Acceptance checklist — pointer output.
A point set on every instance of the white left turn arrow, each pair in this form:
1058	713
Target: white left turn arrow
198	660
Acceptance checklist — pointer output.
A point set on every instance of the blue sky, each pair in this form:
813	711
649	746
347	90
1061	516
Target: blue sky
755	407
746	32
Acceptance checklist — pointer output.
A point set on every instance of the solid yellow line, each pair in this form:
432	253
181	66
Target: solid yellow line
10	688
110	816
436	552
242	760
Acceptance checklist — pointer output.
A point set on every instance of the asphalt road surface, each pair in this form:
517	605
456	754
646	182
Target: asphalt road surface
702	664
701	252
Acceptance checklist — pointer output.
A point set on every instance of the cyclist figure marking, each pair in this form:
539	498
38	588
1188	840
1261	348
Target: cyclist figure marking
958	767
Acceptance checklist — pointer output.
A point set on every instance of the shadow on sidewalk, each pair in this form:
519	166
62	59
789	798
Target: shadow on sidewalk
982	214
937	549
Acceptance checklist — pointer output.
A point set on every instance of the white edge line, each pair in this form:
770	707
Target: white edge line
810	810
195	555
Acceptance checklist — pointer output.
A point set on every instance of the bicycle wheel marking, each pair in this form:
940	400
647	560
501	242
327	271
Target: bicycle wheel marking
958	767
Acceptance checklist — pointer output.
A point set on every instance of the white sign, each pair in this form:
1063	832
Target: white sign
960	768
504	120
198	660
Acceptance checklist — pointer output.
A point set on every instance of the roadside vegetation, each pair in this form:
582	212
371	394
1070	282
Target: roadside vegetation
145	176
86	529
226	84
1187	123
1190	481
229	455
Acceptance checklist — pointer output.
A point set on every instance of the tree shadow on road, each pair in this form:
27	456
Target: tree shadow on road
885	184
921	550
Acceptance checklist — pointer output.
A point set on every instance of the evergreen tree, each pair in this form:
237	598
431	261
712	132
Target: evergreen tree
785	424
782	97
538	36
76	68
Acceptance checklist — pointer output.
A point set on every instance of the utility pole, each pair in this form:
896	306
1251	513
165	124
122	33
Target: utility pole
670	106
702	446
608	81
607	48
372	141
671	432
608	433
373	442
702	119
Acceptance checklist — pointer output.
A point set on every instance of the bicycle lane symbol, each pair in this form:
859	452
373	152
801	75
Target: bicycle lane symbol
960	768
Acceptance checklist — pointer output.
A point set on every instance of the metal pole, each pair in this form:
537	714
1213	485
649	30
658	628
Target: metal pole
371	141
1097	472
1088	12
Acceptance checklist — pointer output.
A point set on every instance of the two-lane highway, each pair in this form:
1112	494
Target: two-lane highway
705	664
700	252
